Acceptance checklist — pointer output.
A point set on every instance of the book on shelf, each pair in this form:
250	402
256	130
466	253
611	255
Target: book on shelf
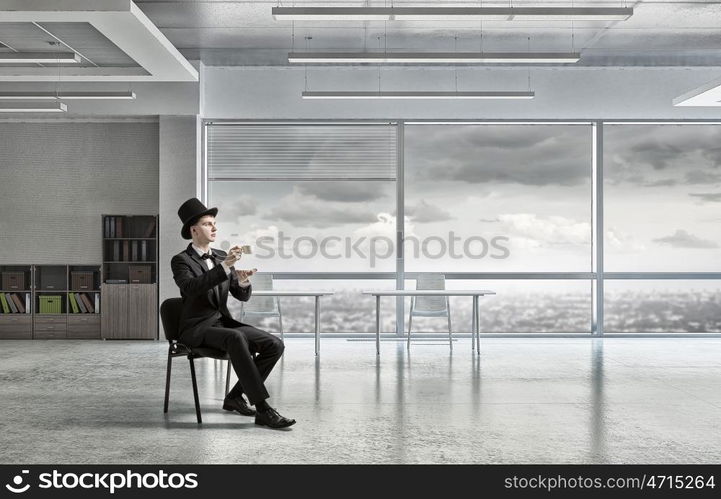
143	250
106	224
81	305
112	226
27	303
126	251
88	305
116	251
119	227
11	303
18	303
134	251
6	308
73	303
97	303
150	228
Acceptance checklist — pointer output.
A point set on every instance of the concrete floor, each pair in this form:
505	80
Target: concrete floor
641	400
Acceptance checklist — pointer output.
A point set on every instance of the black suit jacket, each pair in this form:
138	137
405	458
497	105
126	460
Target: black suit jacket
202	307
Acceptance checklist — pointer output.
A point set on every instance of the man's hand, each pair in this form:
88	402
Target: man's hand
233	255
243	275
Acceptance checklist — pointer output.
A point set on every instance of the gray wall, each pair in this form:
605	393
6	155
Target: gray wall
178	182
57	178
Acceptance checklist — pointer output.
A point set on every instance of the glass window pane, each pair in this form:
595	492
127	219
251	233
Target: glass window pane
519	306
303	226
348	310
497	198
661	306
662	198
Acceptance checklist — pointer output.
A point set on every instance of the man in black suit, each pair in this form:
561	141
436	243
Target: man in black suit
205	276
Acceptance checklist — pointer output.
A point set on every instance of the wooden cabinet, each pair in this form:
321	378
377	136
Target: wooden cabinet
16	327
50	327
84	327
130	311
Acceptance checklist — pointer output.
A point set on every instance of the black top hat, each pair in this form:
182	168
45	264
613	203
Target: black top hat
189	213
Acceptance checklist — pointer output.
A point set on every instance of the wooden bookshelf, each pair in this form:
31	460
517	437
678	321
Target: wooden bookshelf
51	291
129	278
16	283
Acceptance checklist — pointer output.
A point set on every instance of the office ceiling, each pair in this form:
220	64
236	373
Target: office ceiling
660	33
153	40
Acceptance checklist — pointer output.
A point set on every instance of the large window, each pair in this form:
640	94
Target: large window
507	207
508	198
662	193
662	196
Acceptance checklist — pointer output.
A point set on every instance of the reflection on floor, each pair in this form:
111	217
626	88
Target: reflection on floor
522	401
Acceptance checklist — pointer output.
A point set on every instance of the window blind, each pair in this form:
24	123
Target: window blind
301	152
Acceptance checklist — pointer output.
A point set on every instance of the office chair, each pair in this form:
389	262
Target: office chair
170	316
430	306
262	306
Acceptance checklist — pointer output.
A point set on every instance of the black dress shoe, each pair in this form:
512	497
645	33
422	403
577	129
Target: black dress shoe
239	405
271	418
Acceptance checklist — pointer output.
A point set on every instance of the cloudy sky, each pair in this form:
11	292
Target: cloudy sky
527	187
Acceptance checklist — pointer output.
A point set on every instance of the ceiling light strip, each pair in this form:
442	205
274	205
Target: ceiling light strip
432	57
32	107
67	95
451	13
39	57
418	95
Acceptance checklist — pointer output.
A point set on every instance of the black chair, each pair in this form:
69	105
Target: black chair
170	316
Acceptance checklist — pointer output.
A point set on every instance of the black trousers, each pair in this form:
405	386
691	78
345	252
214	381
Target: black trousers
253	353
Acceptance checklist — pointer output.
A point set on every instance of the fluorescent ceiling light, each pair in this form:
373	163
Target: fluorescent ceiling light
433	57
451	13
39	57
33	107
418	95
66	95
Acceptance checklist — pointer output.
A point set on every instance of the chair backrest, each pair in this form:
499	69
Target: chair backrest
261	304
170	311
430	303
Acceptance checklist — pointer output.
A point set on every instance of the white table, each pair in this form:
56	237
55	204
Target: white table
475	293
315	294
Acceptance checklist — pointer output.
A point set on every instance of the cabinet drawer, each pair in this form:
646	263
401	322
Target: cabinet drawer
50	327
41	320
81	327
50	334
16	327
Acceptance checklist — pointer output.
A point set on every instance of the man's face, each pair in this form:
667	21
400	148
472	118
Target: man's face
204	229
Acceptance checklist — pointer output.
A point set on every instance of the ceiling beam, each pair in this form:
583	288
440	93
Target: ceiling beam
120	21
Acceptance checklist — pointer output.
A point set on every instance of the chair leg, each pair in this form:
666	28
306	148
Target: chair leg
227	379
195	389
167	382
410	323
280	319
450	334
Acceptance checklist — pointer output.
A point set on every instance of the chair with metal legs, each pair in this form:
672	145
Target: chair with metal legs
170	317
430	306
262	306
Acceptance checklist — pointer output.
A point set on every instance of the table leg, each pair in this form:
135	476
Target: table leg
473	324
478	327
378	324
317	324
